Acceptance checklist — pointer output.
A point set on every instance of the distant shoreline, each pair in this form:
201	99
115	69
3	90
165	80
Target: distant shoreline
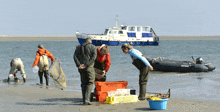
36	38
60	37
188	37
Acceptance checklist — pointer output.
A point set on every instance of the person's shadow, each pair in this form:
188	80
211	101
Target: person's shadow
144	109
55	101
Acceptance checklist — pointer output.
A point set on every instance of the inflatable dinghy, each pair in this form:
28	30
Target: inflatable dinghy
168	65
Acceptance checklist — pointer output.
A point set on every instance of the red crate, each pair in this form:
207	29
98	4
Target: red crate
110	86
101	96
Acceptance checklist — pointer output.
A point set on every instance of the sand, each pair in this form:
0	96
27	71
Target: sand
50	38
36	98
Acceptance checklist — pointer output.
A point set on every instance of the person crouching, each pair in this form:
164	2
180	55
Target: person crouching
102	63
16	63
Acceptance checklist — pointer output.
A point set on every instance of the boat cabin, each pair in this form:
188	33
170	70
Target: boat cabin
129	32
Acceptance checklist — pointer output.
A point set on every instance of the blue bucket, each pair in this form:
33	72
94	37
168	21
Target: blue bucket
158	104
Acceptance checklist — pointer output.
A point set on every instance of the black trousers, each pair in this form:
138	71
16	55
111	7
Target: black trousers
144	71
143	77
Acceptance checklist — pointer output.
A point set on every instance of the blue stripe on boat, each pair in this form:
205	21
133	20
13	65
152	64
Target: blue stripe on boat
117	43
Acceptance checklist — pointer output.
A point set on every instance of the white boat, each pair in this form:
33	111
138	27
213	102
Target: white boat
133	35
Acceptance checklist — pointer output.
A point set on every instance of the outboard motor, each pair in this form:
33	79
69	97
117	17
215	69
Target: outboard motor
199	60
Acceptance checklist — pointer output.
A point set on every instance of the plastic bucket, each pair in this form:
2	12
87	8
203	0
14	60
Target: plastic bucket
158	104
35	69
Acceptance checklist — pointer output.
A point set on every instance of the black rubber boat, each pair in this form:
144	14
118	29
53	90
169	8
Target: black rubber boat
169	65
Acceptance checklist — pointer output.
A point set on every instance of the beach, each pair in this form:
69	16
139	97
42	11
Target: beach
31	97
36	98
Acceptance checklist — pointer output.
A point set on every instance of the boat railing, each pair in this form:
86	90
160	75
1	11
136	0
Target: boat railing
95	34
151	30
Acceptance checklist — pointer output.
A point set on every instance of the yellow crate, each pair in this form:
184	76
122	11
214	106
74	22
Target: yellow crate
121	99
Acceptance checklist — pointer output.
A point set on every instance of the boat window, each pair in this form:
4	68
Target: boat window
145	29
106	31
131	29
138	29
110	32
124	28
120	32
115	32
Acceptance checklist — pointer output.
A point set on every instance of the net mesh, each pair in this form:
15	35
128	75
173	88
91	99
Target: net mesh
57	74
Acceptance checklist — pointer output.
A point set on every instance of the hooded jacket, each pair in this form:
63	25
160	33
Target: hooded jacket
42	51
85	54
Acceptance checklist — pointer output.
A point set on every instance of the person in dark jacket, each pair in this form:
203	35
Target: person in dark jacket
84	57
140	62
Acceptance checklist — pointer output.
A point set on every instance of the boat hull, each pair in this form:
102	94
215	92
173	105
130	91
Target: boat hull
117	43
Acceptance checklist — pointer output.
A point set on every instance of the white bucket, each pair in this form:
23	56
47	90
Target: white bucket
35	69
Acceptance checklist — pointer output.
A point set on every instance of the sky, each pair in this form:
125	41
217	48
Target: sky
56	17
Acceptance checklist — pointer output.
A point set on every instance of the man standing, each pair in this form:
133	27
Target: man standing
142	64
84	58
42	61
16	63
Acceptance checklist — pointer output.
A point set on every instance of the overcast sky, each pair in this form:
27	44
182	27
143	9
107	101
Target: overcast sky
64	17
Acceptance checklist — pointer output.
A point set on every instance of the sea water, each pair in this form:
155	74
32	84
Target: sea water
202	85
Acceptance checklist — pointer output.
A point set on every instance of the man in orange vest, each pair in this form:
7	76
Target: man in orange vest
42	62
103	62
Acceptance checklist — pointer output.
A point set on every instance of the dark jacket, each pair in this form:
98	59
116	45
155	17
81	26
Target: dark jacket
85	54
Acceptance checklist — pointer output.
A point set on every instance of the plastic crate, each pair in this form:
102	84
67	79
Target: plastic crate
158	104
101	96
121	99
110	86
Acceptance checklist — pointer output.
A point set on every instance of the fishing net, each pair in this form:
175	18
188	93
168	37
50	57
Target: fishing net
57	74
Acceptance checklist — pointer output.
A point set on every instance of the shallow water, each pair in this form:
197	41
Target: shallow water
203	85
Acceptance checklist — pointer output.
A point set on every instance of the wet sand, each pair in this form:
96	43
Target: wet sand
50	38
36	98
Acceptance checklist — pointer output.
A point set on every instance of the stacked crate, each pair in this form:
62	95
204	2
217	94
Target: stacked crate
121	99
102	88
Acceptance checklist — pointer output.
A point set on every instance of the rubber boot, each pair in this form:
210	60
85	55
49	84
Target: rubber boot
46	77
87	94
24	79
83	93
40	74
142	92
93	95
8	79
